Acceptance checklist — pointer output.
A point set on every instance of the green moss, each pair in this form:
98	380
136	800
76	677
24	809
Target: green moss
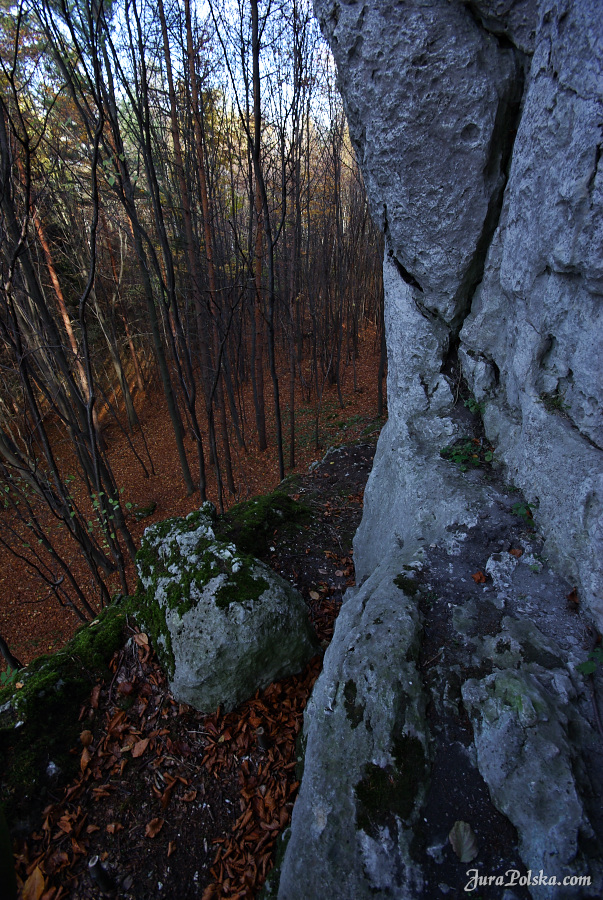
143	512
152	617
251	525
409	585
241	586
354	711
48	704
391	790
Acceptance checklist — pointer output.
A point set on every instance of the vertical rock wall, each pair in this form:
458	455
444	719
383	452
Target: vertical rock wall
479	130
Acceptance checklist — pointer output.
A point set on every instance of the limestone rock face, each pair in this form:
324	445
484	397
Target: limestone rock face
223	623
478	127
365	756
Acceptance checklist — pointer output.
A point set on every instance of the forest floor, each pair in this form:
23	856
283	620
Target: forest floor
32	622
176	804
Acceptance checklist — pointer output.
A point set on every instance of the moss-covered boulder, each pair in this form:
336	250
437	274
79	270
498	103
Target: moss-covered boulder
39	719
223	623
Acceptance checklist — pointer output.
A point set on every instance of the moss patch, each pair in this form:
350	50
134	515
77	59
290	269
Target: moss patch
48	704
251	525
241	586
408	585
385	792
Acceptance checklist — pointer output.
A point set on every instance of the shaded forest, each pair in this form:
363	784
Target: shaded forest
182	222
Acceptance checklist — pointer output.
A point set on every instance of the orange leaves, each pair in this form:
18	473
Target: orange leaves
479	577
516	552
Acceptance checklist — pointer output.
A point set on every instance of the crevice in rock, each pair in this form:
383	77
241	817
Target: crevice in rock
491	26
403	272
496	170
591	180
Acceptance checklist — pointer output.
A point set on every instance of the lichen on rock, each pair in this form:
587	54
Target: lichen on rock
223	624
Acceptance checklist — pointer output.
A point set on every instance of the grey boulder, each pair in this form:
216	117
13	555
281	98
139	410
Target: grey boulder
223	623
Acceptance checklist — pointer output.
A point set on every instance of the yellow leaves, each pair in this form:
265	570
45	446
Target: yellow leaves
34	886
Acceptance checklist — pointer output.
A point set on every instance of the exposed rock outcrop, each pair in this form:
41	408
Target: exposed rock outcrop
478	128
222	622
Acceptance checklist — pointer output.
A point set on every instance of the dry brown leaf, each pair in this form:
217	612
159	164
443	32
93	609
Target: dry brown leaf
154	827
479	577
64	824
314	595
34	886
85	759
114	827
141	639
86	738
94	696
171	848
139	747
92	828
189	796
516	552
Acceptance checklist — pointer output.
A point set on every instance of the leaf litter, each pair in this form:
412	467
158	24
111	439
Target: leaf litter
164	795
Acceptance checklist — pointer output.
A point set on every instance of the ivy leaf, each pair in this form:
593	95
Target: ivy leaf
463	841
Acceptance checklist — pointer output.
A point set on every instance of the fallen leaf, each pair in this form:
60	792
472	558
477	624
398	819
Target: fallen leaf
114	827
463	841
92	828
154	827
141	639
94	696
85	759
125	688
516	551
86	738
479	577
339	573
314	595
171	848
573	596
139	747
34	886
189	796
